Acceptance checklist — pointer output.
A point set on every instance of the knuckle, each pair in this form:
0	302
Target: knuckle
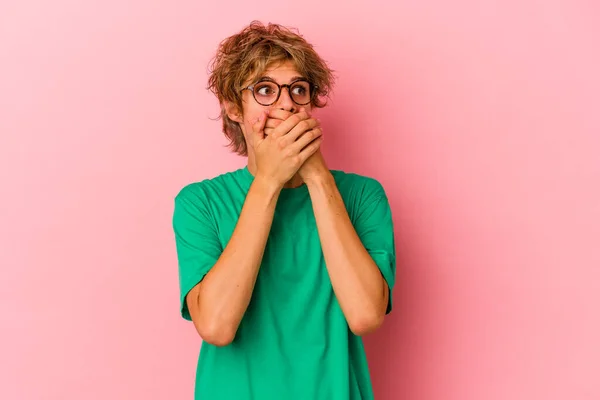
288	153
304	125
299	117
296	160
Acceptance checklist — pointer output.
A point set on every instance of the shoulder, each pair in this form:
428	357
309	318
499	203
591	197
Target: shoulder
200	201
206	189
360	193
353	184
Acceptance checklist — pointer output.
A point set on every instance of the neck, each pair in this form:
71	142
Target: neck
296	181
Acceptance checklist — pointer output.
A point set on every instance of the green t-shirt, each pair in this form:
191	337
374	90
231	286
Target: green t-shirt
293	342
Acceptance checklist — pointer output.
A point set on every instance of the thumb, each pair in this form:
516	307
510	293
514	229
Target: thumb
259	126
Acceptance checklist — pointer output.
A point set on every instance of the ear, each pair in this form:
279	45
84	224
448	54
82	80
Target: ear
233	112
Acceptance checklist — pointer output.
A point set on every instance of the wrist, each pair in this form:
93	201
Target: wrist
269	187
319	179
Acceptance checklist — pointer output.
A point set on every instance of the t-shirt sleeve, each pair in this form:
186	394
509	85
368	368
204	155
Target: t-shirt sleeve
375	228
196	239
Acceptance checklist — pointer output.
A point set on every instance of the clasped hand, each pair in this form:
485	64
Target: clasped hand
286	144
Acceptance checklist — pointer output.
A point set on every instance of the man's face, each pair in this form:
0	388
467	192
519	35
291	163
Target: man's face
282	73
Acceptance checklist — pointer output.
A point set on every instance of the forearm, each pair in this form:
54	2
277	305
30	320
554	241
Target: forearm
355	277
224	294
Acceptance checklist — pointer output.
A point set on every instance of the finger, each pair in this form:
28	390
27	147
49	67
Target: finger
268	131
299	129
280	114
259	125
303	109
290	123
310	149
306	139
284	114
272	123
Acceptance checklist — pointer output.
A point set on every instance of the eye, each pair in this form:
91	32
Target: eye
265	89
301	89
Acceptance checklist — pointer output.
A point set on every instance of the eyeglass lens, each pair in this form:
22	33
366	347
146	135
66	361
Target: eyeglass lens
267	92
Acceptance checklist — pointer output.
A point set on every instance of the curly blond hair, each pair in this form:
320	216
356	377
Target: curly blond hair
248	54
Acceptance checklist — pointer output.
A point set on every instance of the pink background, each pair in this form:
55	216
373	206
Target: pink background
481	118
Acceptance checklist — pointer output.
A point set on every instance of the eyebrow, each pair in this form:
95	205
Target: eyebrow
268	78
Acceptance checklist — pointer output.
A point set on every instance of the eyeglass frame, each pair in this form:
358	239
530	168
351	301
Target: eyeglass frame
313	90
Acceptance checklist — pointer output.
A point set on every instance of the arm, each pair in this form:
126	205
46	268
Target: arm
227	276
358	284
218	303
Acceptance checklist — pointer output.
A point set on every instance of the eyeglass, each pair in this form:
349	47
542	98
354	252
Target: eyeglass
267	92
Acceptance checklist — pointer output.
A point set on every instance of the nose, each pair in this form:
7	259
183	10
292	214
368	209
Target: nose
285	100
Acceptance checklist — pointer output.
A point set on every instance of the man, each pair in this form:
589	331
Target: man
284	264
